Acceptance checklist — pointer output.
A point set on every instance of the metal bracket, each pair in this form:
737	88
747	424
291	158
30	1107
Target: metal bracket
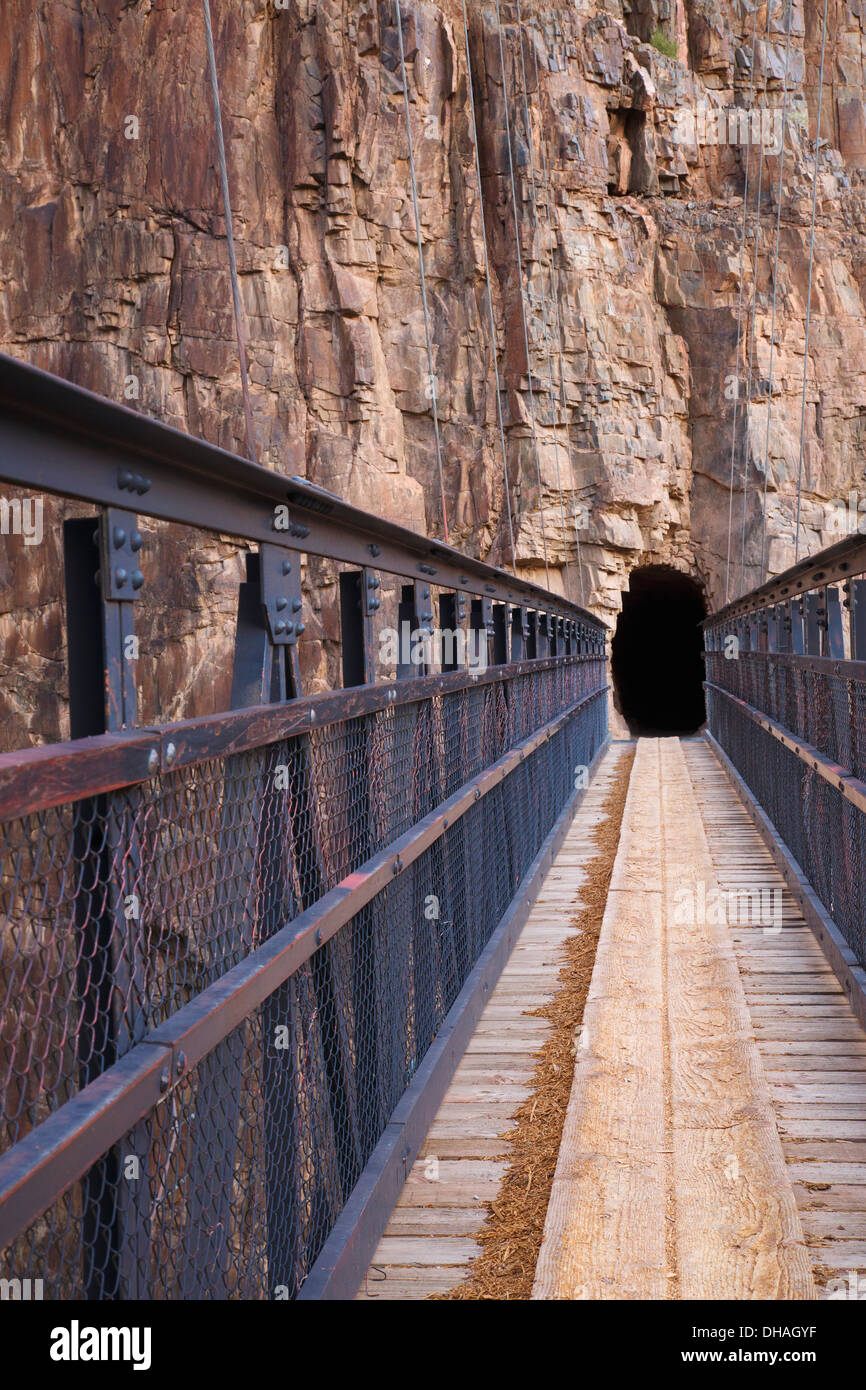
281	594
119	543
834	637
359	600
857	601
371	600
519	632
423	606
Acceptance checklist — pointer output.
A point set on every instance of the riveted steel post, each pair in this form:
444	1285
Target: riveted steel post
835	639
812	623
857	600
359	603
500	634
103	580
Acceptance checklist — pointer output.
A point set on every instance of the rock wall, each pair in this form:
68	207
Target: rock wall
115	274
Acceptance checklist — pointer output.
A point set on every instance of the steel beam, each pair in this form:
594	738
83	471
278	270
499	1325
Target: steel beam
56	437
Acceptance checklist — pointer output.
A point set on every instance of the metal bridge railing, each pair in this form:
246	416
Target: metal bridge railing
786	701
239	952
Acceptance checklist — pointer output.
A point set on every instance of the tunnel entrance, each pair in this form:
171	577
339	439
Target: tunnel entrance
657	654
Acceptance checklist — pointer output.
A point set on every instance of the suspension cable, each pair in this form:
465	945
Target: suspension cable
227	212
544	322
747	437
489	290
764	550
740	304
809	294
434	389
520	284
555	291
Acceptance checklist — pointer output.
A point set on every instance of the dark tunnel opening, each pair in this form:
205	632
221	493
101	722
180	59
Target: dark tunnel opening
657	654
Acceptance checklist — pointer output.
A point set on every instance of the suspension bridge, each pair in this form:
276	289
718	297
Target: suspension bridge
286	985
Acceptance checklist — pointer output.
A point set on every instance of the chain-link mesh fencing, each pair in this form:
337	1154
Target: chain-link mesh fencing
824	830
121	909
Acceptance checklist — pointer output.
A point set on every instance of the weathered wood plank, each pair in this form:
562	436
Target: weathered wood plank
836	1225
738	1233
821	1029
606	1221
812	1195
808	1038
473	1093
851	1174
825	1094
796	1130
399	1285
828	1150
441	1251
467	1145
432	1221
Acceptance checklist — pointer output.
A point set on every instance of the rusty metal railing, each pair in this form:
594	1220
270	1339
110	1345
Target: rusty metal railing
786	702
242	952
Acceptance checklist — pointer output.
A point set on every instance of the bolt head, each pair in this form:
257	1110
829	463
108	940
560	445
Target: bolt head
170	754
118	535
152	760
136	579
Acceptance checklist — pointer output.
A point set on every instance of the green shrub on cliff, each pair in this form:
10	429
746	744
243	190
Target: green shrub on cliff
664	45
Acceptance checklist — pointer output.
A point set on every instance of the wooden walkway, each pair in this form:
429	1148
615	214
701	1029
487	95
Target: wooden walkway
812	1046
429	1244
715	1144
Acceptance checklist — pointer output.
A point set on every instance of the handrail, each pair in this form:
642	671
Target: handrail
838	777
61	438
815	610
36	779
837	563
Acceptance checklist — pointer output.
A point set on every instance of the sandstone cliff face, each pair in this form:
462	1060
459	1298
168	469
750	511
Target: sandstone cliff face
115	275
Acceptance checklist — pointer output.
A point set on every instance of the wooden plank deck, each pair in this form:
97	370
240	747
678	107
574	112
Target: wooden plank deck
671	1181
429	1246
812	1046
715	1145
